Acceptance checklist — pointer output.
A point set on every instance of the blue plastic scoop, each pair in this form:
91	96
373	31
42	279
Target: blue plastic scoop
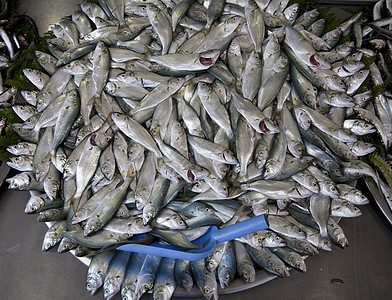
212	237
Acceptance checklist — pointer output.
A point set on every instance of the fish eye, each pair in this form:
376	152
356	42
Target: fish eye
355	208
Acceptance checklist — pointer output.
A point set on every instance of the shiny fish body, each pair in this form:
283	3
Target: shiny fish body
97	270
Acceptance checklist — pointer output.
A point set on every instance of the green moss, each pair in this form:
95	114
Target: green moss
8	137
381	88
368	60
384	166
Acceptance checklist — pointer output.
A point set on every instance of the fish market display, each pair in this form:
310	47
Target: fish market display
164	118
17	34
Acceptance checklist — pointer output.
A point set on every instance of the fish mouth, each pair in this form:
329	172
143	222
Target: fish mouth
93	140
314	61
206	61
190	176
263	127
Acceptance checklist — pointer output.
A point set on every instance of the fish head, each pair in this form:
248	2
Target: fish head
34	204
225	277
49	215
199	186
111	88
273	240
185	281
273	46
19	181
222	188
247	272
221	169
51	188
93	282
43	101
111	288
125	77
325	244
204	89
69	170
127	294
302	118
30	72
144	284
148	216
177	222
271	169
61	160
162	293
137	225
196	173
319	62
297	149
16	160
232	23
329	188
282	64
211	264
140	200
209	58
176	82
256	240
350	209
277	268
123	213
65	245
23	111
208	288
152	11
93	225
29	95
342	241
229	157
100	139
134	151
336	83
359	198
79	216
312	184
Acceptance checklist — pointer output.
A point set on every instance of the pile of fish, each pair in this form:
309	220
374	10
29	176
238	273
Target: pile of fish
168	117
12	41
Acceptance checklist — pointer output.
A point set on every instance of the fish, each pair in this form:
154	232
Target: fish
97	270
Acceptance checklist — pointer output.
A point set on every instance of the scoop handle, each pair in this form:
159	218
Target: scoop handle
239	229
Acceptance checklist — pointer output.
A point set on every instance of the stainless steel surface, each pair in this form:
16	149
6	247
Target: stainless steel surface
380	201
4	170
362	271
